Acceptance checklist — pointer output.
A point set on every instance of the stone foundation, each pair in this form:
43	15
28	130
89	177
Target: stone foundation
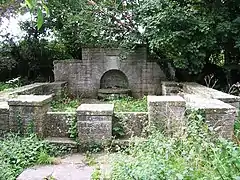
94	122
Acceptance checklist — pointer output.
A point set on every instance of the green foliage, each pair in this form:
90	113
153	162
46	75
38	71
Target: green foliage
65	104
96	175
198	155
129	104
14	83
72	130
17	153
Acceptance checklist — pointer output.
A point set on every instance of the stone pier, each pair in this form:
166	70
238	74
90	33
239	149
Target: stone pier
28	113
94	122
166	113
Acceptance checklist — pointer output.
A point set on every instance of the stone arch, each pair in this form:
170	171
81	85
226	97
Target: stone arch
114	78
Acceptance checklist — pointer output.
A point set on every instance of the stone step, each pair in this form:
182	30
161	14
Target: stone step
67	142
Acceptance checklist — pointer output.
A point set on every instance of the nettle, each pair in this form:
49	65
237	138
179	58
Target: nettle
198	155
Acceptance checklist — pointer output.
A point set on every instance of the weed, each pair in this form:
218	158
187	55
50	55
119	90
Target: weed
197	155
129	104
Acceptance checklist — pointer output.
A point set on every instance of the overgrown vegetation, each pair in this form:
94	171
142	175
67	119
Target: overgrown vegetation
198	155
14	83
129	104
17	153
65	104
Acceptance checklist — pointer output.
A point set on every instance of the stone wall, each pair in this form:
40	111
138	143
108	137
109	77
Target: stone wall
58	123
131	124
84	76
219	116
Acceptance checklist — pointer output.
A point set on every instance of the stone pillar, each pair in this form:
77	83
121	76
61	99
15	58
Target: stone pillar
4	118
166	113
94	122
27	113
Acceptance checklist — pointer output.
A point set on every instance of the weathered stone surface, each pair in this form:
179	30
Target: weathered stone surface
133	123
166	113
30	100
219	116
55	88
84	76
95	109
197	89
4	118
58	123
28	113
171	88
94	122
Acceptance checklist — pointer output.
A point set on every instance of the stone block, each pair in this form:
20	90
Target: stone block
28	113
94	122
95	109
166	113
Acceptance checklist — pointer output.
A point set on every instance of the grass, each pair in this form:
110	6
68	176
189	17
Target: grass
130	104
127	104
18	153
197	155
65	104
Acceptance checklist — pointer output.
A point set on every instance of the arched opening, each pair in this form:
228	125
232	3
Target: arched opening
114	79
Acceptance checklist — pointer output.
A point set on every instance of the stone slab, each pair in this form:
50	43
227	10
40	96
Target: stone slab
199	102
95	109
30	100
165	99
195	88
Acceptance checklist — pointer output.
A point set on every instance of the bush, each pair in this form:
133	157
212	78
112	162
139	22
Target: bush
17	153
198	155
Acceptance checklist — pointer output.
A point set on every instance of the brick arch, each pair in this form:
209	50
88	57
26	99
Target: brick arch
114	78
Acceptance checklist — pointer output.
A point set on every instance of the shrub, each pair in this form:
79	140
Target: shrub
17	153
198	155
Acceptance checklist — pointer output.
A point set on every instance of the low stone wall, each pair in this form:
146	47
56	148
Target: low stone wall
58	123
197	89
219	116
129	124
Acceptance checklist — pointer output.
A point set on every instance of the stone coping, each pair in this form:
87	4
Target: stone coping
199	102
30	100
114	91
165	99
61	113
195	88
172	83
4	105
95	109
